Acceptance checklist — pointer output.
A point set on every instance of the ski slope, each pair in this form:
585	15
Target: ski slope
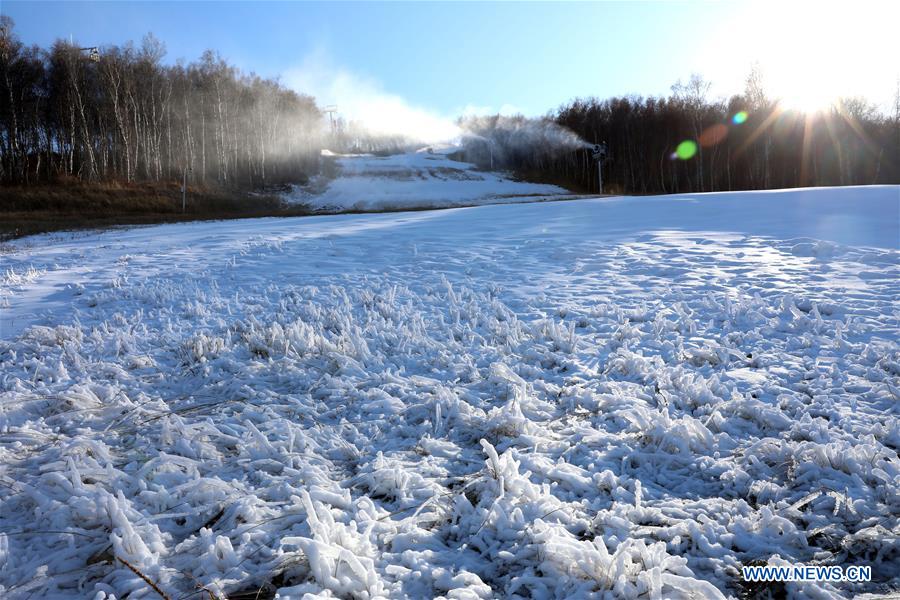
414	180
605	398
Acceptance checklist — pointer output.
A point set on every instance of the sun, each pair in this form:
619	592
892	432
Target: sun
811	57
812	54
805	89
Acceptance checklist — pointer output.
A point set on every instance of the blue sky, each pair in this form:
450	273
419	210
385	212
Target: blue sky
449	57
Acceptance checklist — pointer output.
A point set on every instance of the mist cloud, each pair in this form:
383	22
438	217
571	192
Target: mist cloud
363	100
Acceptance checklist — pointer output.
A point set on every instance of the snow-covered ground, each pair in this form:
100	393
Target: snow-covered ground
620	397
423	179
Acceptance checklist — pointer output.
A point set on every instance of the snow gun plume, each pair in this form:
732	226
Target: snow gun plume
364	109
514	135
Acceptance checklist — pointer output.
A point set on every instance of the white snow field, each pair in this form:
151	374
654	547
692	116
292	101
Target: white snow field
607	398
423	179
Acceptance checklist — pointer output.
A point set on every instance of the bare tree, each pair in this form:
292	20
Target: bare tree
126	115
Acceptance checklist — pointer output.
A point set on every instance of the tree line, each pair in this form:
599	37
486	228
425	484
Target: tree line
687	142
119	113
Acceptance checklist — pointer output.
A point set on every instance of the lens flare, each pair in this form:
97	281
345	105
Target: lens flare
686	149
713	135
739	117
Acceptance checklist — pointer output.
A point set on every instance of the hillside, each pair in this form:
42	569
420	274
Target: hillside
427	178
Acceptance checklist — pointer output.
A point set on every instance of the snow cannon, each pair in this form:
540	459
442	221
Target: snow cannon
600	152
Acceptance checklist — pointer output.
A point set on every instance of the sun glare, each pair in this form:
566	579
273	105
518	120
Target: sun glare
808	94
814	53
809	68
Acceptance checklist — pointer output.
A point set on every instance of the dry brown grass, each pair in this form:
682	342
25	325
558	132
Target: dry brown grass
25	210
538	176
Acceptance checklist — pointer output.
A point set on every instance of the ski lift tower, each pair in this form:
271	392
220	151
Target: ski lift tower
600	152
330	110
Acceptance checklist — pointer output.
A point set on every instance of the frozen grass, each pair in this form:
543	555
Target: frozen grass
522	414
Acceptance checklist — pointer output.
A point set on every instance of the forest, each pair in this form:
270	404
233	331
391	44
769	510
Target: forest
688	142
120	113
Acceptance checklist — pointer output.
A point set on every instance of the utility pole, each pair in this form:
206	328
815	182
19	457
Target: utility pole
599	152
